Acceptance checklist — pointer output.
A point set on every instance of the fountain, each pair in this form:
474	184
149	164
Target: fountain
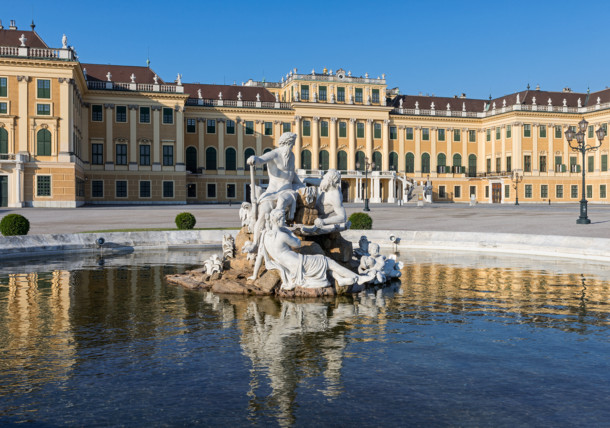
290	240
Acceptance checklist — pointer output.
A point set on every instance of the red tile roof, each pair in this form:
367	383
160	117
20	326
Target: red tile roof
229	92
120	73
440	103
11	38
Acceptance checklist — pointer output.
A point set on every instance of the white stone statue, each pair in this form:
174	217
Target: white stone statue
400	103
599	100
329	204
518	99
315	97
565	102
448	107
296	96
493	106
64	42
549	102
332	97
213	265
23	39
199	95
239	96
277	97
416	105
179	79
380	267
228	246
109	76
432	105
533	101
504	102
220	95
308	271
579	103
156	79
258	97
463	106
133	78
244	213
283	184
363	247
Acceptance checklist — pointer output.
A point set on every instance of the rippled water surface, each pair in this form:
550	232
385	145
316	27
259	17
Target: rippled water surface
461	341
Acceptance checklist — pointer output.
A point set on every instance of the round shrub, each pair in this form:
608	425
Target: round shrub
361	221
14	224
185	221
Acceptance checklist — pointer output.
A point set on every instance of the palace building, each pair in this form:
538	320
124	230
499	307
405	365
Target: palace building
73	133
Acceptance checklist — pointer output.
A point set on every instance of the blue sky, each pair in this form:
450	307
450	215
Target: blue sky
434	47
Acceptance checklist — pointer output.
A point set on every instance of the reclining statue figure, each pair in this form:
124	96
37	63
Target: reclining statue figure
303	270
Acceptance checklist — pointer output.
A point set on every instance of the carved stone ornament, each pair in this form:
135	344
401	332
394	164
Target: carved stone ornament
121	140
44	126
352	120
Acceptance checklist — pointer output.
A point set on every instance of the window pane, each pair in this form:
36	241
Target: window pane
144	189
121	113
144	114
44	88
145	154
43	185
168	115
168	189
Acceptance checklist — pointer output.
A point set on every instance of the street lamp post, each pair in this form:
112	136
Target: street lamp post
517	178
366	166
582	147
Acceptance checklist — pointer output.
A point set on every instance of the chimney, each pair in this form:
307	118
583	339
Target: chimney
12	26
463	95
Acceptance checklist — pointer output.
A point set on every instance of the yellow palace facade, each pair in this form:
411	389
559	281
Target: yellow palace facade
73	133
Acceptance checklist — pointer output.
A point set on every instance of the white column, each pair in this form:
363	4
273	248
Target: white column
517	147
401	148
368	133
156	148
220	129
351	158
67	125
298	143
392	190
241	164
503	148
385	138
23	115
109	164
535	153
201	142
180	165
133	143
417	131
333	143
433	154
315	143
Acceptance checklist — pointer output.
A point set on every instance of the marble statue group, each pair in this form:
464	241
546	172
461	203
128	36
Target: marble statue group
290	242
275	243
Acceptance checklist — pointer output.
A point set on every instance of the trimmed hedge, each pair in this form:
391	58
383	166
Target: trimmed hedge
361	221
14	224
185	221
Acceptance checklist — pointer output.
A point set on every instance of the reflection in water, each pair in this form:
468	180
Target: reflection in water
69	334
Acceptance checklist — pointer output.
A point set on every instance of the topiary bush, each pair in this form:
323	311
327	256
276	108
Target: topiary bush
361	221
185	221
14	224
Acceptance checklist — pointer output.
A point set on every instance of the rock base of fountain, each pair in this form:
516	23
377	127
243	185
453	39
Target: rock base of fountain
234	276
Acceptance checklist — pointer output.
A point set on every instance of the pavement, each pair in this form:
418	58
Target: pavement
536	219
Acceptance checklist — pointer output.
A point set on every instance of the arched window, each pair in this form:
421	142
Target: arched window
324	160
3	141
377	160
305	159
393	161
191	159
342	160
43	140
230	159
457	159
360	160
410	162
472	166
441	159
249	152
425	163
210	158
